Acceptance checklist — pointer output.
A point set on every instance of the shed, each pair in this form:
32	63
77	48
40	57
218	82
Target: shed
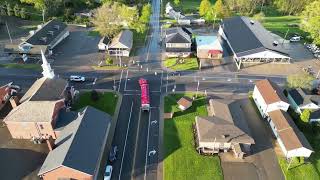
184	103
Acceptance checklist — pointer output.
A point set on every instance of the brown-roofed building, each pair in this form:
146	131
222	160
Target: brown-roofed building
184	103
226	130
291	140
268	96
36	116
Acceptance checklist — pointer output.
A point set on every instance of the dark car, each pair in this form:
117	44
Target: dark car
113	154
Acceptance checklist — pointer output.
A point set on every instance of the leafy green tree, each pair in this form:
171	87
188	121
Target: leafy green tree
291	6
9	9
259	17
303	80
305	115
3	11
205	7
16	10
311	20
145	13
38	4
176	2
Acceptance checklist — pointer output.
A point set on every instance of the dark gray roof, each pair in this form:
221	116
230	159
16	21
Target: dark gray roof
64	118
303	97
227	124
177	35
249	38
54	26
81	143
45	89
315	114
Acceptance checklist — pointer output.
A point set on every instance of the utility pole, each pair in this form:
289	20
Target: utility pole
9	32
43	15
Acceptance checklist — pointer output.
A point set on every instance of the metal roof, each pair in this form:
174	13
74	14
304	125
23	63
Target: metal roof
80	143
248	37
177	35
123	40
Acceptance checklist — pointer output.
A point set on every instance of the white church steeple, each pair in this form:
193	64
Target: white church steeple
47	71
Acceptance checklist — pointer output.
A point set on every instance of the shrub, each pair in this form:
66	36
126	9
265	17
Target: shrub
9	10
94	95
23	13
109	61
3	11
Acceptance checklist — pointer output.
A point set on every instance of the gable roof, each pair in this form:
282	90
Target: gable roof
45	89
54	25
208	42
77	146
301	97
270	91
185	101
289	133
123	40
177	35
227	124
241	29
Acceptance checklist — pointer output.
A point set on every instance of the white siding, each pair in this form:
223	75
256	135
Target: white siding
310	106
258	99
284	150
266	54
278	105
300	152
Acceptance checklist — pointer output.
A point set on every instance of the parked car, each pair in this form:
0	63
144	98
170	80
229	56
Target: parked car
113	154
77	78
108	172
295	39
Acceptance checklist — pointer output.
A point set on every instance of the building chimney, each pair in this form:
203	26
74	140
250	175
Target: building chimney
50	143
14	101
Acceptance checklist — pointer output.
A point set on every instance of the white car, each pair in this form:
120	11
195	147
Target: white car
295	39
77	78
108	173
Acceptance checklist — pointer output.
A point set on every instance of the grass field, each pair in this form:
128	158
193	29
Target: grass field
181	160
107	102
188	64
187	6
280	25
21	66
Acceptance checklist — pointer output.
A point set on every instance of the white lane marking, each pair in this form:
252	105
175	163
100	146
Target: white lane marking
147	150
136	144
125	84
94	82
125	142
120	80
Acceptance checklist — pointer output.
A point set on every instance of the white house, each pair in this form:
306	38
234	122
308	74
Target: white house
103	43
269	97
301	99
121	45
291	140
250	42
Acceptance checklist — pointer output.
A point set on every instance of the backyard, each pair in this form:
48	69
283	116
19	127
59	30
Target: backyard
181	160
181	64
106	101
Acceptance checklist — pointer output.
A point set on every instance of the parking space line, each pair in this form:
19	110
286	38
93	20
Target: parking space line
125	142
147	150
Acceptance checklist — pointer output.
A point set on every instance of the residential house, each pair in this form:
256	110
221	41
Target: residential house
121	45
251	42
208	47
178	42
184	103
268	97
103	43
225	131
291	140
79	148
45	38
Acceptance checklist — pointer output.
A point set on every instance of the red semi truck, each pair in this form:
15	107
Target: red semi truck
145	98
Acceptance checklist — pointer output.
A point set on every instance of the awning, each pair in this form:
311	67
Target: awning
214	51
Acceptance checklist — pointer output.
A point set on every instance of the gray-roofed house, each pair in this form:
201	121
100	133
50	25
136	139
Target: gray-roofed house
178	42
301	99
225	130
121	45
78	151
45	38
251	42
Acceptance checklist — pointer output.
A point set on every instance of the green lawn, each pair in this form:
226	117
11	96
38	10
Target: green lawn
188	64
107	102
187	6
22	66
181	160
280	25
